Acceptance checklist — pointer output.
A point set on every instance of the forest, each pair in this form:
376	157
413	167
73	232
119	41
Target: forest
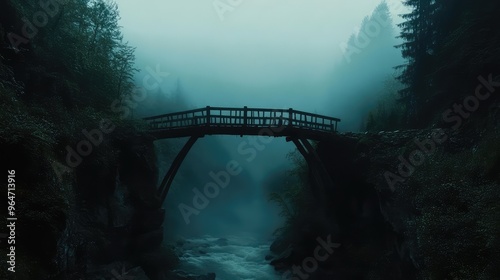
402	203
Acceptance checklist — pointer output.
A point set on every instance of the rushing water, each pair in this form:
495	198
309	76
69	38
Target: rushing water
230	258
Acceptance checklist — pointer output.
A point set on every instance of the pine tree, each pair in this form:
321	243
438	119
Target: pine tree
418	49
447	45
369	56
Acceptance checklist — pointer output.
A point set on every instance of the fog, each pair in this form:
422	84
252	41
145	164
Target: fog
277	54
270	54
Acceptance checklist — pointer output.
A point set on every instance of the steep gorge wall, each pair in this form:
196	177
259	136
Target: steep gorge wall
96	220
416	204
413	204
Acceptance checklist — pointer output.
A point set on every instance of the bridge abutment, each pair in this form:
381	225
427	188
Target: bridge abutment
139	173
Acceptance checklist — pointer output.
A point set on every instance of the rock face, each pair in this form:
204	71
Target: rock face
360	213
120	270
401	203
127	230
364	198
145	232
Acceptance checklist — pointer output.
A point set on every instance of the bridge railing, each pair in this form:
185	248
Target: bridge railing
243	117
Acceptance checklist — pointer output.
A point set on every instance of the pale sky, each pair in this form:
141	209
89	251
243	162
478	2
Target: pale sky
257	53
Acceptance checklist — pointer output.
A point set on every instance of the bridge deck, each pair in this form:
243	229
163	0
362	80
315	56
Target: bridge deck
242	121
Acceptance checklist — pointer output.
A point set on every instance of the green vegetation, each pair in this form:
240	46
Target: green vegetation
449	206
295	196
53	86
447	44
369	60
457	231
389	113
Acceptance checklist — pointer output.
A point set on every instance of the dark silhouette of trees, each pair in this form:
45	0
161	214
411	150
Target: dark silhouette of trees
447	45
61	67
369	58
80	43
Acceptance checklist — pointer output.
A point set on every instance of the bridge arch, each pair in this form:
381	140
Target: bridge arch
297	126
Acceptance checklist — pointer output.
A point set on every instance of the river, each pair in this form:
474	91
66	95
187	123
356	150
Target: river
230	258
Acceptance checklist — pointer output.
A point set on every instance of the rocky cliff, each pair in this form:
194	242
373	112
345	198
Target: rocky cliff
414	204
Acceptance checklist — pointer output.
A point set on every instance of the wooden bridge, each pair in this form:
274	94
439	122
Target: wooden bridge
296	126
242	121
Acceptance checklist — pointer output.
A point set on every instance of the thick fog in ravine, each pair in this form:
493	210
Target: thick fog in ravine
261	54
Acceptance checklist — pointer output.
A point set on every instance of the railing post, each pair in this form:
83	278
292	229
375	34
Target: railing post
208	115
290	117
245	111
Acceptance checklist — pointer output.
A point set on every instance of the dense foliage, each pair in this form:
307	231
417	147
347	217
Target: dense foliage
368	59
61	69
447	45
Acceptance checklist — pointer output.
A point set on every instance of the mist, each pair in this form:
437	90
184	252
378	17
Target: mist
263	54
250	140
280	54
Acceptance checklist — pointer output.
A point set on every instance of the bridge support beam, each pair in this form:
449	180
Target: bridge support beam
169	177
321	178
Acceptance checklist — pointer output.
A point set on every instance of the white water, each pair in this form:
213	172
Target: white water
242	258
